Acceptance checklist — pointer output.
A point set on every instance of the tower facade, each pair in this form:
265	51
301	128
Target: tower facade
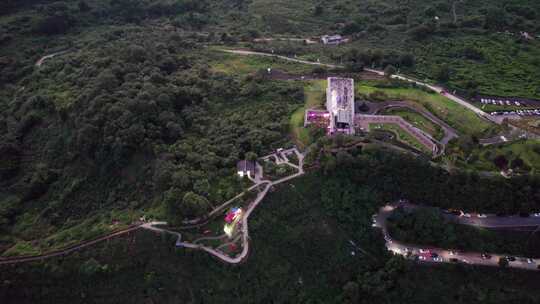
340	105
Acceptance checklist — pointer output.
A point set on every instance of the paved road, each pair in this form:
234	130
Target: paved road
424	254
491	221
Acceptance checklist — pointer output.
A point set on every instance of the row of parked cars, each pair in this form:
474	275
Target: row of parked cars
528	112
460	213
427	254
501	102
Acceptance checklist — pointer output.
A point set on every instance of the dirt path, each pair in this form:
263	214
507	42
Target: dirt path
42	59
70	249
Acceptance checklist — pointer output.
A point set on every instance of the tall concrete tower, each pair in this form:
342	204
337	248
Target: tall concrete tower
340	104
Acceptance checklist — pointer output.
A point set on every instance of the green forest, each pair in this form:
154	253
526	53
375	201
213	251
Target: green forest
113	110
312	243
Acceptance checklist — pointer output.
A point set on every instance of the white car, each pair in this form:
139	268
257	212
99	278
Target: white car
437	259
423	250
467	215
536	214
481	215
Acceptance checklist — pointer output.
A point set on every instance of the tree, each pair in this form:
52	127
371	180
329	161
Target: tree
251	156
83	6
517	163
406	60
421	32
181	179
202	186
351	290
319	10
443	73
106	80
352	28
194	205
389	70
90	267
495	19
466	144
52	25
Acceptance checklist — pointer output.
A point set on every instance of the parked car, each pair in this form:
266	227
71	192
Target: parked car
511	258
486	256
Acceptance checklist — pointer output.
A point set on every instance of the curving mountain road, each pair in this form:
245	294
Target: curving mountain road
244	231
424	254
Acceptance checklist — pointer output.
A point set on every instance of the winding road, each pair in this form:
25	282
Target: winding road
440	255
244	230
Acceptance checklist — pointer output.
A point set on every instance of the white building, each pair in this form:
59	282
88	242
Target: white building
332	39
246	168
340	104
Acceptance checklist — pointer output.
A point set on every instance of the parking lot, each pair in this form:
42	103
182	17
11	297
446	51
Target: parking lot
525	112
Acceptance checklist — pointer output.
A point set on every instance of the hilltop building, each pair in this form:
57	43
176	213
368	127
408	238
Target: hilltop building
340	105
333	39
339	116
246	168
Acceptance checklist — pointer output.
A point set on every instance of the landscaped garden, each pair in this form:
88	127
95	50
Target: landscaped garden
401	135
417	120
452	113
